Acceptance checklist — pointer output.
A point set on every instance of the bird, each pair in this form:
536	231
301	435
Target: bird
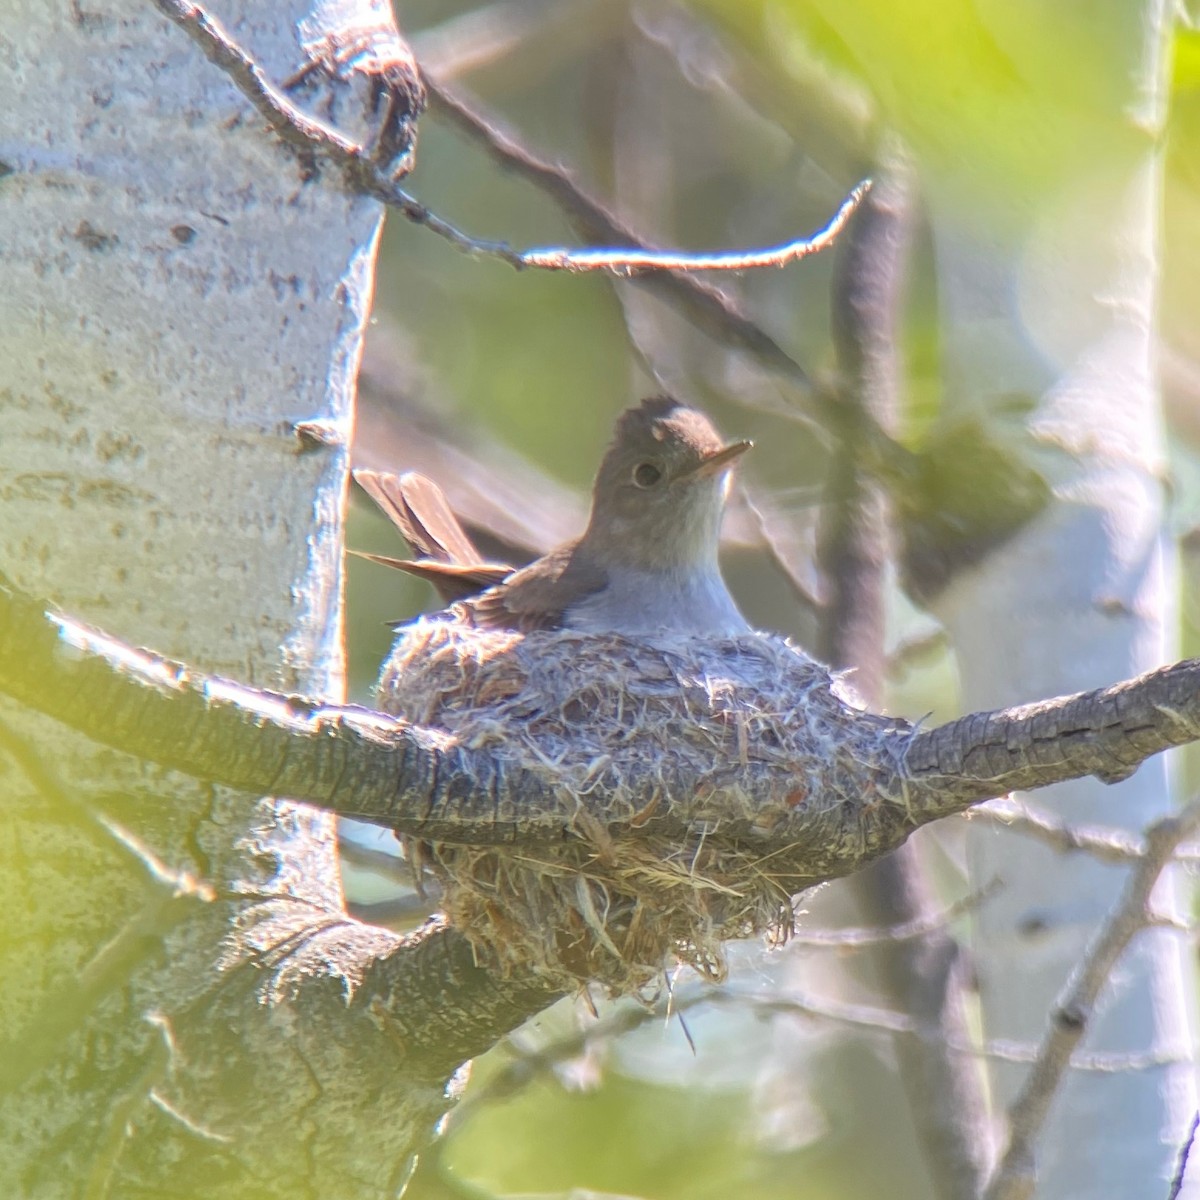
645	564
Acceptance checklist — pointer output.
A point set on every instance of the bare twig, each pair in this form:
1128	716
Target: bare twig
1184	1153
919	926
297	128
529	1065
1016	1176
922	976
624	262
305	132
885	1020
708	308
1103	842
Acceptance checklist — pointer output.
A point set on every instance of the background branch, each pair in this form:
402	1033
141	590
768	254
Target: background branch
710	310
1016	1176
1101	842
923	976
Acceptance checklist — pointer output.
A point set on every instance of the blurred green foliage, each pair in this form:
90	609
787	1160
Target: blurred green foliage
720	124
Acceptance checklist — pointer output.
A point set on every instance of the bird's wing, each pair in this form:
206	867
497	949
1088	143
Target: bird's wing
419	509
532	598
452	581
537	596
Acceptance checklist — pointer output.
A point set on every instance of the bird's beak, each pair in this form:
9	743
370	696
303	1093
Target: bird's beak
717	461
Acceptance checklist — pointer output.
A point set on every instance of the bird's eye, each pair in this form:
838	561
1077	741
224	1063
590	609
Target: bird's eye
646	475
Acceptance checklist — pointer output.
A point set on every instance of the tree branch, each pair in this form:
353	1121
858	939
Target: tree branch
1017	1174
1102	842
424	782
439	1005
923	977
343	758
1107	733
709	310
376	176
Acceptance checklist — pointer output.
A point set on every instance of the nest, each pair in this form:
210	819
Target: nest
614	723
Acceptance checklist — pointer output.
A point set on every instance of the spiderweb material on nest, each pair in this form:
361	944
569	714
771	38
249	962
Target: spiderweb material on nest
752	728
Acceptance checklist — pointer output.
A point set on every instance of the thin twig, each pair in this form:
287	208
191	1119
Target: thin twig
886	1020
309	134
303	131
850	938
1069	1019
1104	842
624	262
529	1065
708	308
808	600
1181	1165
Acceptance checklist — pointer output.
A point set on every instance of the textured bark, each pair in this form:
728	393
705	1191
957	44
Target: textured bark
180	327
186	1005
356	762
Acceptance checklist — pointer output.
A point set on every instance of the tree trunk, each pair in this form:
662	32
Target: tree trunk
1048	300
180	291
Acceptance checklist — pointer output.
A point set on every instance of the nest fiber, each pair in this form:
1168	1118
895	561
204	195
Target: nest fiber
749	729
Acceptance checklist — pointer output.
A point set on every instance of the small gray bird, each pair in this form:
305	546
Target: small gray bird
646	563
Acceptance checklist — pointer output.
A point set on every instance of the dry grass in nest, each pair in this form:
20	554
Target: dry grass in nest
758	723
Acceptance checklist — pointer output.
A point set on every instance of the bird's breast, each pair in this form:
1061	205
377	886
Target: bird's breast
640	602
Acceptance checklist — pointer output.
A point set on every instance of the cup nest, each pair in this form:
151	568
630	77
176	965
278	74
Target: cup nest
754	730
